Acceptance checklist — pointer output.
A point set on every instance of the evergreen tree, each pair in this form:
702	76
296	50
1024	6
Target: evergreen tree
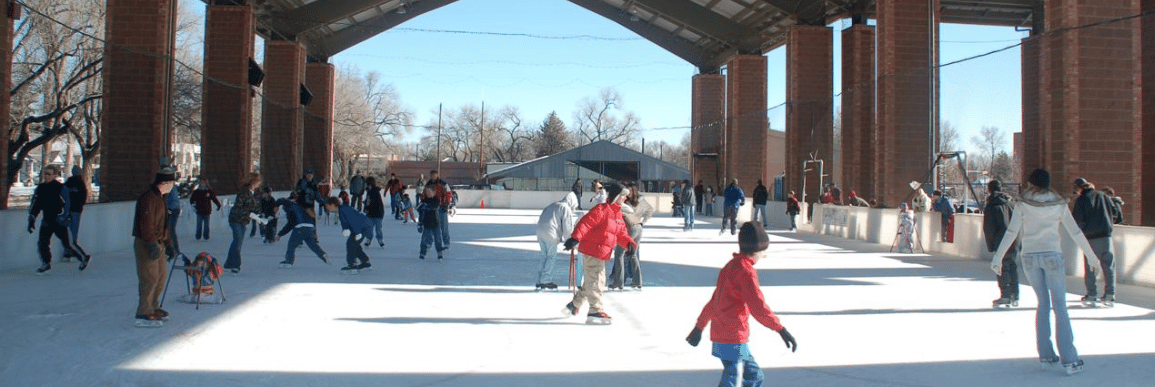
552	137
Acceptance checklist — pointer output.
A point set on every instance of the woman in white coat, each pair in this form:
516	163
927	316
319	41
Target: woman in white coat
554	226
1035	222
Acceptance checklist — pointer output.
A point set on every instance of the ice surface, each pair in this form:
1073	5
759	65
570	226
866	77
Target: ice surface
862	317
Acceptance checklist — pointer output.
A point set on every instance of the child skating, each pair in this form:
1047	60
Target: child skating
304	229
354	225
737	297
595	236
429	223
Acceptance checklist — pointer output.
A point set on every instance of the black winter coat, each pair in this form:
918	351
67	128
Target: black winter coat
1093	215
376	206
996	216
761	195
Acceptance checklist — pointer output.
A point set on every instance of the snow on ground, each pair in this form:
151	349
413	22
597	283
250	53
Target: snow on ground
862	317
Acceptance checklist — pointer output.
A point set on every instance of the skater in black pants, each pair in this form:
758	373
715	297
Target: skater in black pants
996	216
354	225
52	198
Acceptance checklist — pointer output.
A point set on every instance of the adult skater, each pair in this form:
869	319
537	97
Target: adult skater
736	297
688	201
244	209
599	193
735	198
172	203
428	219
357	190
636	211
311	193
354	225
304	229
793	208
52	198
445	197
77	197
996	214
577	190
150	233
203	199
761	196
1035	223
553	226
394	187
699	191
375	210
595	235
1092	213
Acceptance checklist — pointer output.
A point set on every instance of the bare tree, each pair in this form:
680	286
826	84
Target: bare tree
366	112
989	142
597	119
514	141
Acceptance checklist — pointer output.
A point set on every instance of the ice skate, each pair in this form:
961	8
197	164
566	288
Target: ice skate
152	321
325	259
364	266
161	314
350	269
88	258
614	286
1004	303
569	310
1108	300
1073	368
43	269
546	286
599	318
1090	301
235	271
637	287
285	265
1048	362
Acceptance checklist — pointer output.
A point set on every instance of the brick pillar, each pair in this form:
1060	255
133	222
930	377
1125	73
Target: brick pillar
907	131
5	100
227	120
858	129
1146	46
809	126
1089	122
137	67
746	123
282	114
318	134
1032	148
708	116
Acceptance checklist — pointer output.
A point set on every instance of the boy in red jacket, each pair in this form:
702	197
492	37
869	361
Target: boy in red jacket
595	236
736	297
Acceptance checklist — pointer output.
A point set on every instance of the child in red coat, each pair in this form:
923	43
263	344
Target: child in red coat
736	297
595	236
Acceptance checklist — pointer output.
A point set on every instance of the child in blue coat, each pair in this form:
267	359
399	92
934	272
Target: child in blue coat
354	225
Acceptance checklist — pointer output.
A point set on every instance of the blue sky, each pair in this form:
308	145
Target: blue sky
540	75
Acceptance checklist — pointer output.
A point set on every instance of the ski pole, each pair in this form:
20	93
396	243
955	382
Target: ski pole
572	274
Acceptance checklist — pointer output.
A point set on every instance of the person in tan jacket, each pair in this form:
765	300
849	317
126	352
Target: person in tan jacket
150	230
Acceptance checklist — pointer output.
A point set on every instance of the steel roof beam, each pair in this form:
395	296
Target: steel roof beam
350	36
697	55
317	14
706	21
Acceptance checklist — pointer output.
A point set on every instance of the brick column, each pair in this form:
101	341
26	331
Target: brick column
708	116
746	123
1089	122
227	120
1146	46
907	131
1033	101
282	114
5	99
318	134
809	126
858	130
137	67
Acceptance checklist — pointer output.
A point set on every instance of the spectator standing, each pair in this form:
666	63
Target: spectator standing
996	215
1035	222
735	198
150	233
942	206
357	190
708	202
921	202
77	197
737	297
1092	213
699	194
554	225
854	200
53	199
203	199
761	195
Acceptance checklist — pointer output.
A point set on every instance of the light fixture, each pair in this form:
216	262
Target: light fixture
633	13
401	9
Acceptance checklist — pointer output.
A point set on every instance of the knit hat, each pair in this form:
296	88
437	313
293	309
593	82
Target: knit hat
76	171
752	238
612	191
1040	178
1080	182
166	174
994	186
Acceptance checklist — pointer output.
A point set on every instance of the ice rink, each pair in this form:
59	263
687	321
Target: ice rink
862	317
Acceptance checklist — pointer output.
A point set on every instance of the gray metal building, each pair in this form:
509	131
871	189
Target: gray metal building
601	160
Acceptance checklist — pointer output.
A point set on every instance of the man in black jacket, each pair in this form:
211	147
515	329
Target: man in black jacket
78	195
996	216
1092	214
760	197
53	199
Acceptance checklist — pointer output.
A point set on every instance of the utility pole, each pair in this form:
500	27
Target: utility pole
438	138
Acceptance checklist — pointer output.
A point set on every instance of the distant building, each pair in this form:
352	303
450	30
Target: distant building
602	160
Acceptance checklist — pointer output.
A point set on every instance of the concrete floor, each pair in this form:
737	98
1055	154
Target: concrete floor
862	317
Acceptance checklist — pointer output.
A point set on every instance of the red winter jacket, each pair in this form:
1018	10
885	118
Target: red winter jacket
600	230
736	297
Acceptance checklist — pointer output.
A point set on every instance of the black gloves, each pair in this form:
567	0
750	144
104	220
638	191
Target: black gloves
31	223
153	250
789	339
570	243
632	250
695	337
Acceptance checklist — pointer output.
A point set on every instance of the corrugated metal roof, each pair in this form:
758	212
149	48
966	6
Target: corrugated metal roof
554	166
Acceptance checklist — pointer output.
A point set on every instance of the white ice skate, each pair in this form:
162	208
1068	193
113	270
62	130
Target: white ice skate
599	318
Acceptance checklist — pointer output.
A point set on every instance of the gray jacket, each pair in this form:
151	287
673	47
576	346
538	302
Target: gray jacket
556	221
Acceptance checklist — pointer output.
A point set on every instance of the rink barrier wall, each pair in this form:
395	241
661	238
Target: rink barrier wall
1134	246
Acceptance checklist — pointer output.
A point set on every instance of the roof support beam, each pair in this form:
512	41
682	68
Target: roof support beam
700	57
352	35
707	21
317	14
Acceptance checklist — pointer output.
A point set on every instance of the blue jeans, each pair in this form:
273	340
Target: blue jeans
688	217
308	235
793	221
431	236
443	223
234	259
1048	277
203	225
1103	247
759	214
549	255
75	225
376	222
731	355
